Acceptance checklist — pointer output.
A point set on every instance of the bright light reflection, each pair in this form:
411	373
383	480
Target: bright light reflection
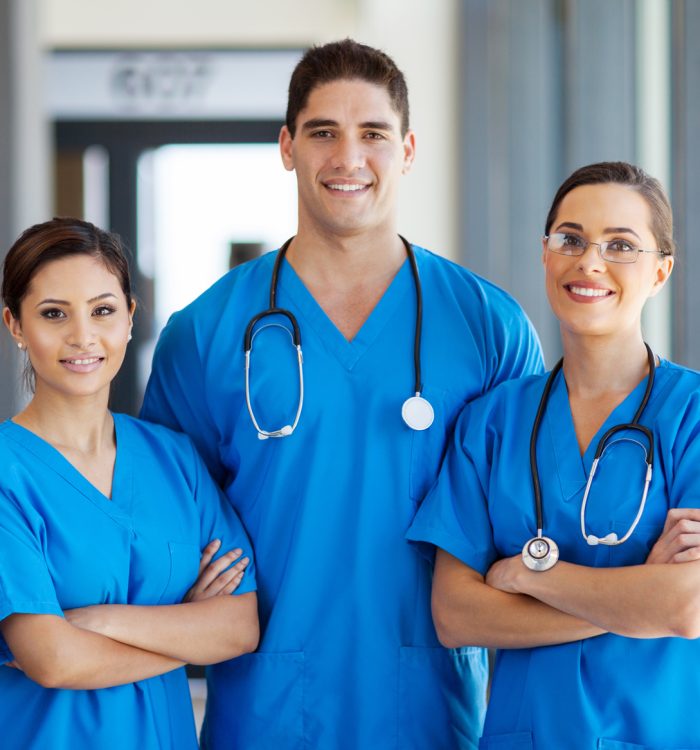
194	201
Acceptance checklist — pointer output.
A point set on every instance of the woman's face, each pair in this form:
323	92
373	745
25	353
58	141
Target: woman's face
591	296
75	323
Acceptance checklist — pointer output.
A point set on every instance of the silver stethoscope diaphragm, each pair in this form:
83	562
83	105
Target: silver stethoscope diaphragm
540	553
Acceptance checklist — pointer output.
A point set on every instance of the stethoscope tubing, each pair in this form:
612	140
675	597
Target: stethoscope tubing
273	309
602	444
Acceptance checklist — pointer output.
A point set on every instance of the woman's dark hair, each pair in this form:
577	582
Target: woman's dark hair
622	173
345	60
53	240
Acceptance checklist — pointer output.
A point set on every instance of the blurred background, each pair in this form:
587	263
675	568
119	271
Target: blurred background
159	119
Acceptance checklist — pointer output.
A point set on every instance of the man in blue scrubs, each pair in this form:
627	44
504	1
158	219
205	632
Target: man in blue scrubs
348	655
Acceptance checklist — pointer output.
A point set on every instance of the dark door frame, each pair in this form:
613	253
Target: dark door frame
125	141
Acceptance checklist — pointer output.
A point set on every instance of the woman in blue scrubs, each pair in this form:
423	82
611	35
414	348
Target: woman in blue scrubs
596	650
102	523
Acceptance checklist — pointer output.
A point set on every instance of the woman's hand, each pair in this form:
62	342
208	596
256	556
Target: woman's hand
503	574
217	578
680	539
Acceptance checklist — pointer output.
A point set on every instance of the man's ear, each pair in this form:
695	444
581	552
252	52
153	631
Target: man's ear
286	143
409	151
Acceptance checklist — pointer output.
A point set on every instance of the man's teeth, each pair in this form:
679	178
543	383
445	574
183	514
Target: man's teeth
585	291
89	361
346	188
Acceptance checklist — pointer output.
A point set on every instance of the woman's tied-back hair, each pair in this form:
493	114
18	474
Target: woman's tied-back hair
622	173
54	240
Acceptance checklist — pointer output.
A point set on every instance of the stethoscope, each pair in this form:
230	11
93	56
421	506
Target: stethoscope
541	552
416	411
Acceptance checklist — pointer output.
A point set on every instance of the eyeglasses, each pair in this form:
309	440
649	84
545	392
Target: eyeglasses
615	251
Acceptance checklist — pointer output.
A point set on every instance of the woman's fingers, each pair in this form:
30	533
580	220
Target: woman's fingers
229	580
216	577
208	553
212	570
680	538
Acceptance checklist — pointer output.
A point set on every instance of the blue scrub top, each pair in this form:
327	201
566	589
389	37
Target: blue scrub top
608	692
348	656
63	544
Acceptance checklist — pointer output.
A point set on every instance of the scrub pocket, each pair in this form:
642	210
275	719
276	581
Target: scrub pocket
256	701
428	446
512	741
184	568
604	744
442	697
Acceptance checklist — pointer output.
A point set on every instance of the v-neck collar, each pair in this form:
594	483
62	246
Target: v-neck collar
120	505
572	467
348	353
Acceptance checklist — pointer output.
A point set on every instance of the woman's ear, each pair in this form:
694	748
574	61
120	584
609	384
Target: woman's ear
14	327
663	272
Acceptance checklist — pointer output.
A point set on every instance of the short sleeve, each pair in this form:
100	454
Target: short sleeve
515	344
219	520
684	490
454	516
176	394
26	585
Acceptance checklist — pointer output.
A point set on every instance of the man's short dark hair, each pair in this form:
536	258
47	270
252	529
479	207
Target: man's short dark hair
345	60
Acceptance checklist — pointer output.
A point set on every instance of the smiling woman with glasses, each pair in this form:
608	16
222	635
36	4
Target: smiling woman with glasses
566	516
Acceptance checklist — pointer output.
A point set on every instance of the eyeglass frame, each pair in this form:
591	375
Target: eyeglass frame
602	247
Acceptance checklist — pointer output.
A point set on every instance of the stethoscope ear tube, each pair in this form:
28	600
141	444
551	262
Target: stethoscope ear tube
417	412
611	539
250	328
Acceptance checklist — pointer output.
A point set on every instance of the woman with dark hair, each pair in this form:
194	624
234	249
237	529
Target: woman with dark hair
102	522
566	512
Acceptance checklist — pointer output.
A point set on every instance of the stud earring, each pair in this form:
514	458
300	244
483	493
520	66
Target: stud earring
130	337
20	345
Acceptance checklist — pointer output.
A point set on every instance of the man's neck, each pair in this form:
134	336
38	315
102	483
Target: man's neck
347	276
344	262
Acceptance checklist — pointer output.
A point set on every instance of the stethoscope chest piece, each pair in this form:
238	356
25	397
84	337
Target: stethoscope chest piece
417	413
540	553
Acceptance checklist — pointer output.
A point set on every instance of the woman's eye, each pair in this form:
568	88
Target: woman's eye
620	247
103	310
53	314
572	240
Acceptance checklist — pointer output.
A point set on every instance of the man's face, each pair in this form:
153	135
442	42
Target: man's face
349	154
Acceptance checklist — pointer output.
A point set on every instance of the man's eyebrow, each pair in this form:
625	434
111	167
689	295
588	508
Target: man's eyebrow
325	123
319	123
376	125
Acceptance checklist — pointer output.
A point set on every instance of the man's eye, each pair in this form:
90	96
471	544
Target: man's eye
322	134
